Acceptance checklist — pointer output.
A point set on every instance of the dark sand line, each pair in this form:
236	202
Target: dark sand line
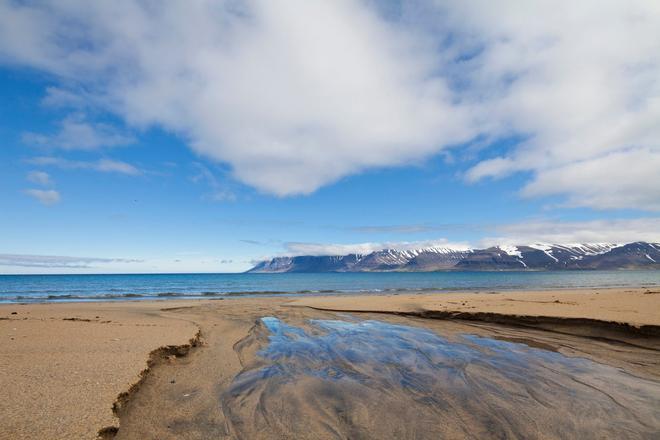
160	356
643	336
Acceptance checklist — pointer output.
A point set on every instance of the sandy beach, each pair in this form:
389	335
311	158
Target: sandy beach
167	369
329	220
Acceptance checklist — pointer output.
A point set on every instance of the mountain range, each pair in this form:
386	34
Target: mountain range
539	256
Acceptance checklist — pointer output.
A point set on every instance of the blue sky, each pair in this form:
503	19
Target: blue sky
242	142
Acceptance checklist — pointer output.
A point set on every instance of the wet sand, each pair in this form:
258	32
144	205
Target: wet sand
64	366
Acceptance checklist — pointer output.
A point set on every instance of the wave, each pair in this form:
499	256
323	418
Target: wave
62	297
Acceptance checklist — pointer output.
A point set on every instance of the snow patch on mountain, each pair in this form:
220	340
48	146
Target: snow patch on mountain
587	248
545	248
511	250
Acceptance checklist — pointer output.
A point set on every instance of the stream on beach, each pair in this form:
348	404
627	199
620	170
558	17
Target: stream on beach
351	378
264	369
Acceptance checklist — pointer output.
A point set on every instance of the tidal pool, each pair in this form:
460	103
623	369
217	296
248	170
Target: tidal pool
373	379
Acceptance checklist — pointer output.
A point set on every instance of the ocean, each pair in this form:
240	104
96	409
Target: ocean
57	288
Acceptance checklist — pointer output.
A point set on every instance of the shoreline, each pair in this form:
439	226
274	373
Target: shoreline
214	296
72	361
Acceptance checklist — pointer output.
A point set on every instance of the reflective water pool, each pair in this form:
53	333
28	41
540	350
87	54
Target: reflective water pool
374	379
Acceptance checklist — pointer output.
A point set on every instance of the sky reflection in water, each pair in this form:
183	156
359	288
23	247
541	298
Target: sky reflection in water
373	378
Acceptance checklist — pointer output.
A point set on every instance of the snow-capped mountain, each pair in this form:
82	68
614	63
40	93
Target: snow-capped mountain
537	256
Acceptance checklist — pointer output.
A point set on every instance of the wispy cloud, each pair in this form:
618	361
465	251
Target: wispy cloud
271	243
219	192
415	228
39	177
52	261
102	165
398	229
115	166
254	242
75	133
46	197
61	97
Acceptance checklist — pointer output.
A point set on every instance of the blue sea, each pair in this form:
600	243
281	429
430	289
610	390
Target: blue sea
50	288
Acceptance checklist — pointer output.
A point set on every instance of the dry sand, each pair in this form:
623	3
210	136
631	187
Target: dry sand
63	366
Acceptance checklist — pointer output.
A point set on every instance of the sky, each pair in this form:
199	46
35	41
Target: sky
203	136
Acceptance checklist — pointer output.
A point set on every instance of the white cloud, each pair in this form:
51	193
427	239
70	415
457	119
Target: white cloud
102	165
621	179
495	168
590	231
581	80
295	95
46	197
39	177
296	248
75	133
292	95
115	166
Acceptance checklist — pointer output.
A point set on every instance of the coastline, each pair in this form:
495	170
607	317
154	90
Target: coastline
69	363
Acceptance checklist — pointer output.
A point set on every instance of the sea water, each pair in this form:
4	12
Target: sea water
43	288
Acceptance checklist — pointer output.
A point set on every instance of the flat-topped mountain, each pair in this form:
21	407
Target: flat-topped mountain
538	256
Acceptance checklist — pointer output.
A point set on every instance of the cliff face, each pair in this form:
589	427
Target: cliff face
638	255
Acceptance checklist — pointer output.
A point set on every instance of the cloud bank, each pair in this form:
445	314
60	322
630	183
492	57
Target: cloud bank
591	231
298	248
296	95
52	261
524	233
